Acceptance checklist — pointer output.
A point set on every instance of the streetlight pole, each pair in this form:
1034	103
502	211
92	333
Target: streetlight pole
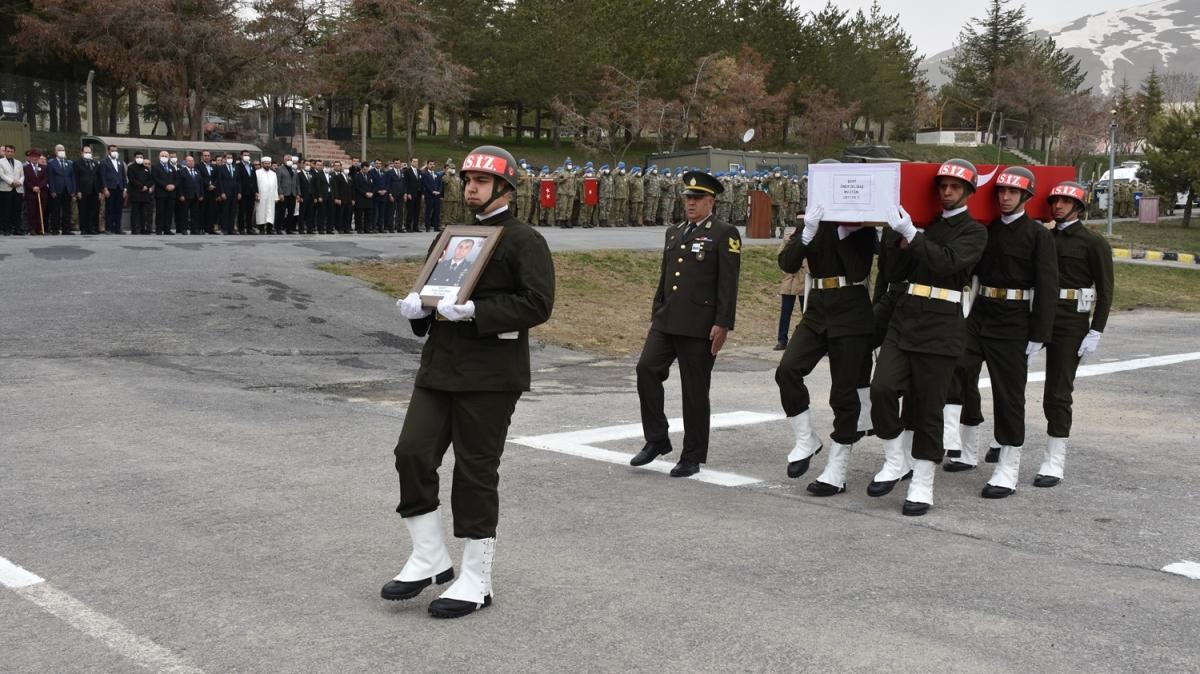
1112	167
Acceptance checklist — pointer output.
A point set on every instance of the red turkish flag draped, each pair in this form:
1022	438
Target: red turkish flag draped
918	194
547	194
591	192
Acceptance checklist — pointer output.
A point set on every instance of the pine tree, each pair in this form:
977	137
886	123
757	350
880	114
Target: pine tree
1172	163
1149	100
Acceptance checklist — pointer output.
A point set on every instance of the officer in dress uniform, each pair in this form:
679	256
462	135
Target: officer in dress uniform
692	314
1010	322
838	322
925	335
1085	280
474	367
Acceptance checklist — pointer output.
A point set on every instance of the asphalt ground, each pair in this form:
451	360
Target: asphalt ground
196	460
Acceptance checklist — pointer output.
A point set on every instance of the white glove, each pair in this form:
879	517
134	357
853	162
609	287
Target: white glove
1031	350
812	221
410	307
902	224
1091	342
456	312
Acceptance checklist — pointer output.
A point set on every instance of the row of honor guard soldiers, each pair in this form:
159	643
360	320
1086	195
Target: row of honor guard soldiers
633	197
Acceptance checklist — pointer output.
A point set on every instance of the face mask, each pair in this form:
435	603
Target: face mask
327	170
136	160
114	154
87	155
288	163
60	154
345	172
622	171
246	158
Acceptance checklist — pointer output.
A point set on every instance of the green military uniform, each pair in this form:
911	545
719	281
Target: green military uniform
926	335
793	201
653	192
725	201
740	191
637	199
777	190
565	205
1084	262
452	200
802	196
605	187
697	289
838	322
523	203
619	215
471	375
587	213
1019	257
667	198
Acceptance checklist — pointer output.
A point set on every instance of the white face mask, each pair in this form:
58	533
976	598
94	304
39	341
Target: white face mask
288	163
87	155
622	171
114	154
327	170
246	158
136	160
174	160
61	154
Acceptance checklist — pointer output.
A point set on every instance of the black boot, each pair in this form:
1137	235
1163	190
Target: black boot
404	589
650	452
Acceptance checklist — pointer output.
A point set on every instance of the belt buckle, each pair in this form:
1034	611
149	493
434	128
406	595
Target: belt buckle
920	290
828	283
1072	294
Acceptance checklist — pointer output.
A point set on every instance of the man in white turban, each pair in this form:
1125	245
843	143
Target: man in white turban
265	198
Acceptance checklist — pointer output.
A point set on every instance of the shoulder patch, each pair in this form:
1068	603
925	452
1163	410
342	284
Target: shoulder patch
735	246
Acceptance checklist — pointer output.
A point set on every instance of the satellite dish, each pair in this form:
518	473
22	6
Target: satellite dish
748	136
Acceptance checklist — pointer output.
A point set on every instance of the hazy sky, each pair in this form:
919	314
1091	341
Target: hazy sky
935	24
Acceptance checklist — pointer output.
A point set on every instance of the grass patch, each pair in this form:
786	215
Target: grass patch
603	297
1167	235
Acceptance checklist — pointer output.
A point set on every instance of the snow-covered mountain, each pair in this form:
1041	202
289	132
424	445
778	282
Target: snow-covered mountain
1123	43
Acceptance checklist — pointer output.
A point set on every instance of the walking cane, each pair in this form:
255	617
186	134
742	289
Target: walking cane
41	216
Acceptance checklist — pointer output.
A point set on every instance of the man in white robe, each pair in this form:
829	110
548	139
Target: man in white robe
265	198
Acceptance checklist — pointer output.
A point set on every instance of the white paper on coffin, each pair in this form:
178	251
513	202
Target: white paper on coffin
854	192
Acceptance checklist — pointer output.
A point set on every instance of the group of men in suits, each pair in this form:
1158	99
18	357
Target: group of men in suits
389	197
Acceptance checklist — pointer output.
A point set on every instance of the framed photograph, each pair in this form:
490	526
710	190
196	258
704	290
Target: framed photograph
455	263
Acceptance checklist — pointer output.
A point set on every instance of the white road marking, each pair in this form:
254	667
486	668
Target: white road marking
100	627
1185	568
578	443
1098	369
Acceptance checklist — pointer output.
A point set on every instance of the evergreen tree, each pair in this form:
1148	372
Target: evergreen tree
1172	163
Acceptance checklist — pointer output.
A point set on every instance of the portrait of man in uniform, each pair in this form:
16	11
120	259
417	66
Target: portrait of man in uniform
455	261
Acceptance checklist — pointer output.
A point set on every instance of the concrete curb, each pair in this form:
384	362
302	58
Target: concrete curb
1154	255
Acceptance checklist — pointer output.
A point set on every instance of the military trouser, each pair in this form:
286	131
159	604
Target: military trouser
545	216
637	210
922	379
604	212
695	376
777	219
1008	367
618	214
723	208
651	211
1062	361
566	204
804	350
476	423
452	213
666	209
739	216
587	216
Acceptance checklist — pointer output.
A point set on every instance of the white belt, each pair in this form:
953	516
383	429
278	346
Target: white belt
833	282
1006	293
935	293
1076	293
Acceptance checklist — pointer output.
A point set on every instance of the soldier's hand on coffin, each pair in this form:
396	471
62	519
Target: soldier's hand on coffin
812	220
1088	347
902	224
455	312
410	307
1031	350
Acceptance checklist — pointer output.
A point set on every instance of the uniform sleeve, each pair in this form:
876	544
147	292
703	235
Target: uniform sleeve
662	274
959	254
1102	275
532	301
1045	292
729	265
791	258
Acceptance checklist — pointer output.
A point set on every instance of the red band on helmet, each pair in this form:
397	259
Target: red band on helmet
485	162
956	171
1067	191
1012	180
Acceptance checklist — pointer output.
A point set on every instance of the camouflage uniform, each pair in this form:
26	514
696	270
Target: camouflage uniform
568	186
666	199
777	190
724	200
523	203
587	212
740	189
606	197
637	200
545	215
653	192
452	198
620	203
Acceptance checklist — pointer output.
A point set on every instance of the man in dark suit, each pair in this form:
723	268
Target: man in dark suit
285	208
431	189
87	192
248	187
396	191
163	175
342	195
412	197
141	195
61	179
321	202
189	219
379	181
225	175
209	207
37	203
364	193
114	179
304	196
692	314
